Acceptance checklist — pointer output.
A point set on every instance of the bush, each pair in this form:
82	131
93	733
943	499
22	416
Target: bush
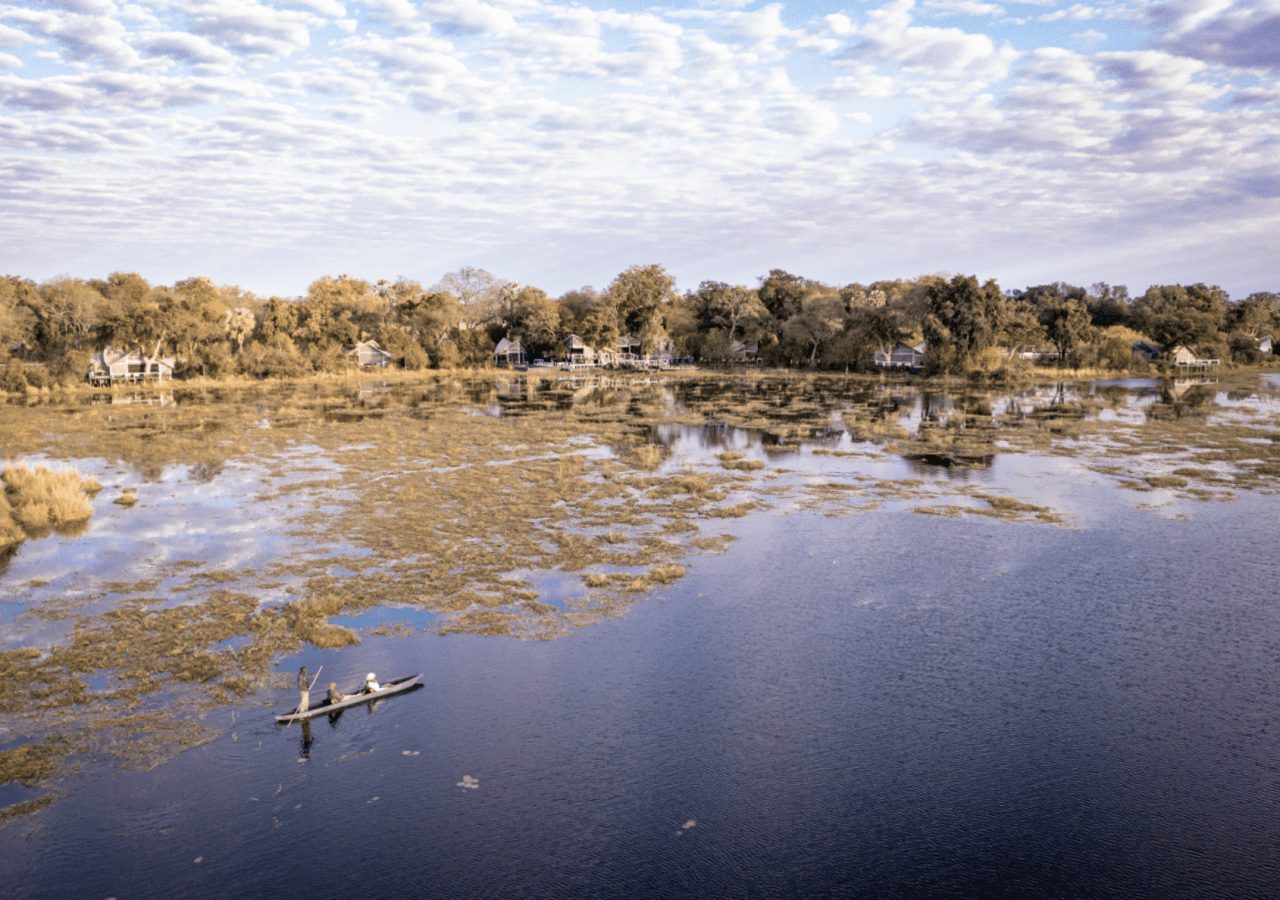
277	358
38	499
327	358
1244	349
67	368
12	379
37	377
447	356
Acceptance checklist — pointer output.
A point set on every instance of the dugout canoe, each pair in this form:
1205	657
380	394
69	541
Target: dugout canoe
388	688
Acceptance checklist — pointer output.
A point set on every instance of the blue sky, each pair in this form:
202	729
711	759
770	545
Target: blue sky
267	142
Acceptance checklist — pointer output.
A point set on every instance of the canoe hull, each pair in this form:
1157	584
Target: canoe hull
397	686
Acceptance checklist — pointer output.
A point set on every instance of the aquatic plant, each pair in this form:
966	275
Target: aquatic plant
38	499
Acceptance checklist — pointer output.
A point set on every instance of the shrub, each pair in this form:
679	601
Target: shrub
277	358
12	379
44	497
37	377
35	500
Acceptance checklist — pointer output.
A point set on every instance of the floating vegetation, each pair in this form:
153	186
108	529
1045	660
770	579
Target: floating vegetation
562	505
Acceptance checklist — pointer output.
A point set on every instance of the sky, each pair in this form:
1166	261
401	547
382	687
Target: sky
266	143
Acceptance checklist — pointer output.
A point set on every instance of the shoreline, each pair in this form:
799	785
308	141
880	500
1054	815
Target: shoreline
1032	376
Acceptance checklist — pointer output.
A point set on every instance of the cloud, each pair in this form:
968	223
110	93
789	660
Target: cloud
396	12
967	8
84	36
46	94
619	130
331	8
83	7
251	27
888	38
469	16
1244	33
1078	12
182	47
1158	75
12	37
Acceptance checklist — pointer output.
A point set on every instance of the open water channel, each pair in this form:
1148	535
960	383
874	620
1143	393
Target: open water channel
1071	694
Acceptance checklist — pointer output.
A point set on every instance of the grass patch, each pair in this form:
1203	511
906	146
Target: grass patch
36	501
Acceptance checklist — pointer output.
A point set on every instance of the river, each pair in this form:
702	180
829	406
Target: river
851	697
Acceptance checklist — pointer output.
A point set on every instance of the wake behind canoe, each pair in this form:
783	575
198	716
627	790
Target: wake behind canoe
388	688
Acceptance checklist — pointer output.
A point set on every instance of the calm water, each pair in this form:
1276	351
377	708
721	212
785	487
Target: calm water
884	703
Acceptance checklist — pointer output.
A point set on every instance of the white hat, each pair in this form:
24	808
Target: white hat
371	677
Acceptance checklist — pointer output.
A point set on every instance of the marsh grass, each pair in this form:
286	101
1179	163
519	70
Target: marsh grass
447	511
37	500
734	460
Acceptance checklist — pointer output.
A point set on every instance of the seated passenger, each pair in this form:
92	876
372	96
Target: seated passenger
371	685
334	695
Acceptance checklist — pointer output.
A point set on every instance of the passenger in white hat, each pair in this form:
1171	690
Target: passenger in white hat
371	685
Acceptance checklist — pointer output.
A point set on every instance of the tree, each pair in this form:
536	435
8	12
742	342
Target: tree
1108	304
1067	324
535	319
1020	327
874	328
1256	315
963	319
1176	314
238	323
479	294
131	316
67	313
639	296
820	318
326	315
197	324
18	298
400	341
783	293
279	317
731	307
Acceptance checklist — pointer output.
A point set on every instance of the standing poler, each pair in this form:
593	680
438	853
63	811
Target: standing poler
304	690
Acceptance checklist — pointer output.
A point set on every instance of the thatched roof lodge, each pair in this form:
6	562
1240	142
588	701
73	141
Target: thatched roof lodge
578	353
508	354
369	355
110	366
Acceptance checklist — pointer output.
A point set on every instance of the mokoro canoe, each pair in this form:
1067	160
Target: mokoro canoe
388	688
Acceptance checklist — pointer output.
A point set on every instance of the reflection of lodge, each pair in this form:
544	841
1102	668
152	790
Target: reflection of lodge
951	433
1177	388
1183	398
163	399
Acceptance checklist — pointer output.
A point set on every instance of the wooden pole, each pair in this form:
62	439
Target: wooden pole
298	708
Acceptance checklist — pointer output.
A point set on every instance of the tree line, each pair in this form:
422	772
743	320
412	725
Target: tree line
785	320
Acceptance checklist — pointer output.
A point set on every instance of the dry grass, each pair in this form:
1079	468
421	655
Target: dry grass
459	514
38	500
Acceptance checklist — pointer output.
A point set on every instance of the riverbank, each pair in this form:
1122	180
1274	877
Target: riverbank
1031	375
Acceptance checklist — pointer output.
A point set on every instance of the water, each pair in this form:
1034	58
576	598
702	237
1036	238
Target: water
879	703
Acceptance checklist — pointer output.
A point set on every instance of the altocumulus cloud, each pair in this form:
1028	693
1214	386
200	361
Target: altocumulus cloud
266	142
